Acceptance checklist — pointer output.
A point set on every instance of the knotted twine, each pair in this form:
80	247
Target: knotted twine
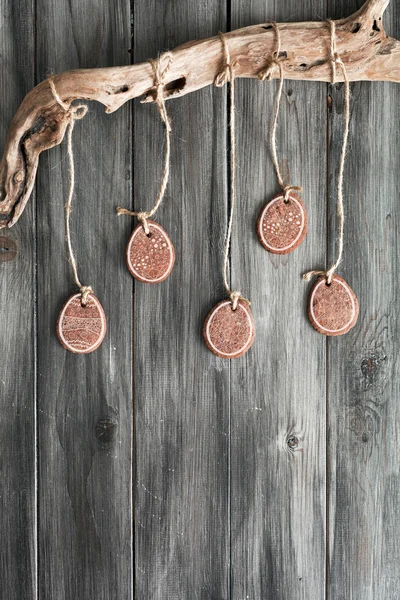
73	113
223	77
159	80
276	63
337	61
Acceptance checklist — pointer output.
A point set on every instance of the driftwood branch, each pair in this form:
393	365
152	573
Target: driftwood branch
40	123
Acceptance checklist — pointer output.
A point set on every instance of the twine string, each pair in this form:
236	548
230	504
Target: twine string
227	74
276	63
337	61
73	113
159	81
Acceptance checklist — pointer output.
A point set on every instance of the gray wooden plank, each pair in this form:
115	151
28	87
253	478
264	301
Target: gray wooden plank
181	390
85	402
278	388
18	564
363	390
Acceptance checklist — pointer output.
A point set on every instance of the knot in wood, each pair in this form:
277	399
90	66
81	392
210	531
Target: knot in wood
77	112
8	249
292	442
106	430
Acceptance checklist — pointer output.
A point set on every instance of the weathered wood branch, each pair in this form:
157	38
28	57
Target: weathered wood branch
40	123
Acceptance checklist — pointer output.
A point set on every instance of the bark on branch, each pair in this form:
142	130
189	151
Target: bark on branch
40	122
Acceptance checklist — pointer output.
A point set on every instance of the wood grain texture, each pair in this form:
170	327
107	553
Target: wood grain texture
85	402
275	476
363	384
18	562
278	389
181	389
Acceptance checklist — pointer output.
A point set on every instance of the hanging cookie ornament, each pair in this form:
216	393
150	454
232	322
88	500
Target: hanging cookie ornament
332	304
229	328
81	325
282	223
150	254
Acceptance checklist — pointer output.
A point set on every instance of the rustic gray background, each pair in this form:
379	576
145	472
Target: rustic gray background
152	469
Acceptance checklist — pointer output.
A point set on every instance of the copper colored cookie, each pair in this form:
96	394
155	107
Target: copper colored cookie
229	333
282	226
81	329
150	258
332	309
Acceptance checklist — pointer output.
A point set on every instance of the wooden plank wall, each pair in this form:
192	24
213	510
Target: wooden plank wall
152	469
278	389
181	393
18	512
85	402
363	369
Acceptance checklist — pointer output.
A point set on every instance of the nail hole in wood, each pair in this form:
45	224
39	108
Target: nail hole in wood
18	176
106	429
371	365
8	249
122	89
356	27
292	442
173	87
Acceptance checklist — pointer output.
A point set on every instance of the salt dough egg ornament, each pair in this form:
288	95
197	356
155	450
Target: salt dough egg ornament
332	309
81	329
282	224
229	333
150	257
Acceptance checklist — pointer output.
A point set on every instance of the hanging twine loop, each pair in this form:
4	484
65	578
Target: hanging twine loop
276	63
72	113
337	62
159	82
227	74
